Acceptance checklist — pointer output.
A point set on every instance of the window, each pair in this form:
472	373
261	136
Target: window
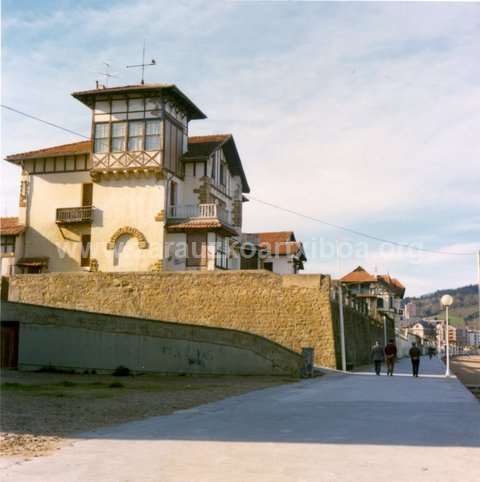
173	193
214	168
85	254
135	135
196	249
222	174
221	253
153	135
87	194
101	137
268	266
7	244
119	133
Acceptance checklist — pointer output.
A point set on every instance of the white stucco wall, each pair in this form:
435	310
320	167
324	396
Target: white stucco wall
281	264
44	237
133	202
175	254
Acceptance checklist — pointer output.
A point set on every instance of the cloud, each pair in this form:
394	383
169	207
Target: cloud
364	115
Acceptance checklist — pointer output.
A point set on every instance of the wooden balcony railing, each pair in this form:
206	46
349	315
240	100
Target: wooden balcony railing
81	214
199	211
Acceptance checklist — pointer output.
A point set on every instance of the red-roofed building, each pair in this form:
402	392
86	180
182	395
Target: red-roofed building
278	251
139	195
382	293
11	244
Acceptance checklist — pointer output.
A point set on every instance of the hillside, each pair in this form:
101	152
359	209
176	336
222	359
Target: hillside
464	310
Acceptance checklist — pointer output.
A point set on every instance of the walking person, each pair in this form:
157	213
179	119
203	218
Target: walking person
377	357
390	356
415	355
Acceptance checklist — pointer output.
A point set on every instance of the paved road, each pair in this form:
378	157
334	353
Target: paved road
338	428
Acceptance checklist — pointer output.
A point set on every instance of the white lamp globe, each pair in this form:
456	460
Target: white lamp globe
446	300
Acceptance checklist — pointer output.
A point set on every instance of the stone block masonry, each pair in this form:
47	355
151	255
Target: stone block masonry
291	310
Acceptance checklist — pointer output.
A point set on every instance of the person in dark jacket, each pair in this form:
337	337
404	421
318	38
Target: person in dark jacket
390	356
377	357
415	355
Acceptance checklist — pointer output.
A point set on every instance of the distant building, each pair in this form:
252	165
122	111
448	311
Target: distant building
423	329
382	293
473	338
410	310
11	245
277	251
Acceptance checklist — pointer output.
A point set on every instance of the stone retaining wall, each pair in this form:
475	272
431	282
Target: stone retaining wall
291	310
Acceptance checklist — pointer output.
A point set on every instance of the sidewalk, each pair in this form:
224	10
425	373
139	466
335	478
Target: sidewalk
428	368
336	428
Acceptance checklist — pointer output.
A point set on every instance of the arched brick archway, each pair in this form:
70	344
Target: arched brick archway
142	241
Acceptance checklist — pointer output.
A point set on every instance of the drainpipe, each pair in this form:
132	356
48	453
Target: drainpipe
342	328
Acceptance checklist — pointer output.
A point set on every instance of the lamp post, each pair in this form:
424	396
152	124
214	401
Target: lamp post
446	301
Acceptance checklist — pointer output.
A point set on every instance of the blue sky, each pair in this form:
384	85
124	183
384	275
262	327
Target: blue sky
361	114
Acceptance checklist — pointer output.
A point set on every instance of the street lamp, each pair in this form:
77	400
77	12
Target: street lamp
446	301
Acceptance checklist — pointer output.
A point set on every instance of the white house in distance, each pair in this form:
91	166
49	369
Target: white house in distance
140	195
278	252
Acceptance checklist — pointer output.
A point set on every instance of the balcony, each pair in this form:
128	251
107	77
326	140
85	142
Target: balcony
82	214
199	211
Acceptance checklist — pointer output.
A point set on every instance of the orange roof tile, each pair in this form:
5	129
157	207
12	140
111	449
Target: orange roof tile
82	147
10	226
359	275
274	237
199	224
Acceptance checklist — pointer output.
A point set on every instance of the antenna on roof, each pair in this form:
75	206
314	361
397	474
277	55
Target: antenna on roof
143	64
107	73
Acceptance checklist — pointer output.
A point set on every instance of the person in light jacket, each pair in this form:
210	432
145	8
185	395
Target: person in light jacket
377	357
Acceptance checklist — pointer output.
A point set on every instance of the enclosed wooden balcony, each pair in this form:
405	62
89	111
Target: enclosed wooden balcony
77	215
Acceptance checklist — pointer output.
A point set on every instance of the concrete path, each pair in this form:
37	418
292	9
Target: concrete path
338	428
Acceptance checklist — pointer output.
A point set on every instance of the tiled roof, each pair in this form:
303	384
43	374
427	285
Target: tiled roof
274	237
11	227
201	225
393	282
82	147
87	97
36	261
200	147
277	243
359	275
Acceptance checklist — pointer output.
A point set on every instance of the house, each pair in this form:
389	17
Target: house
382	293
140	195
11	245
423	329
278	251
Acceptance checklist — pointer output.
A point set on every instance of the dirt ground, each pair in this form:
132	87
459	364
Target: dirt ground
39	411
467	369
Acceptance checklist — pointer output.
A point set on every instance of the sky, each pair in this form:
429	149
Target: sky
364	115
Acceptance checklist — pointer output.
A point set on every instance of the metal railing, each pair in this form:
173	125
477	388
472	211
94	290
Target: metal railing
81	214
199	211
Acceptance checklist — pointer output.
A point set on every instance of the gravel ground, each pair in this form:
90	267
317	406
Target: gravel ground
39	411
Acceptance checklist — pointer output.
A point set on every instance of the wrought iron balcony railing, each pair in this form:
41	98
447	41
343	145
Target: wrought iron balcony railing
81	214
